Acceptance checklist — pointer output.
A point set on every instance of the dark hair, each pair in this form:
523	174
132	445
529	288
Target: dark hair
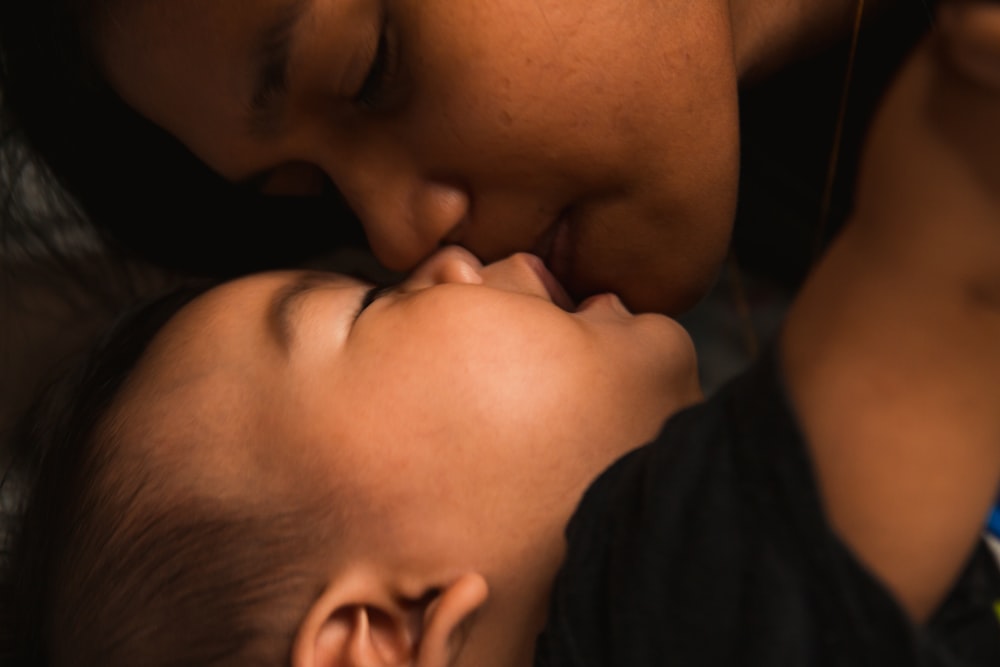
119	169
107	568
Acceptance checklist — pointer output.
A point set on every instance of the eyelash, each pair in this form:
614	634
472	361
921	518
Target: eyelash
381	72
373	295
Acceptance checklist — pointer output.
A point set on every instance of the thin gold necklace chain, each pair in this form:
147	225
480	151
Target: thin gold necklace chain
736	282
831	171
838	135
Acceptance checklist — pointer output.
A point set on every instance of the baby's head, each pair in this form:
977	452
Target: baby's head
294	471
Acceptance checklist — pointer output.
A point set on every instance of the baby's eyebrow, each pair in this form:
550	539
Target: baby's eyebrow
289	297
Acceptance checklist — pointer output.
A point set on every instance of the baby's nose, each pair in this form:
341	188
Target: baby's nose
450	264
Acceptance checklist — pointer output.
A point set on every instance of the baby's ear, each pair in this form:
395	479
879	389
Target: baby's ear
448	618
352	627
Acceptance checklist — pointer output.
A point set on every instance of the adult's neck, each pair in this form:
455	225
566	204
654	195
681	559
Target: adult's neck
769	34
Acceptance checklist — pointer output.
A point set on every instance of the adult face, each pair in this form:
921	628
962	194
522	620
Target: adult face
601	135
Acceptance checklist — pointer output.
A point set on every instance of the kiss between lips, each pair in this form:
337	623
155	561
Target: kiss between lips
555	246
561	297
557	249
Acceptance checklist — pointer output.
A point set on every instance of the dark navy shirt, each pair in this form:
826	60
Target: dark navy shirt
710	546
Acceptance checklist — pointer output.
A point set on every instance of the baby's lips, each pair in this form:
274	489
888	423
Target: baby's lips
556	291
609	299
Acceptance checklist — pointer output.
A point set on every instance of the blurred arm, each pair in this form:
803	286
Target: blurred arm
892	349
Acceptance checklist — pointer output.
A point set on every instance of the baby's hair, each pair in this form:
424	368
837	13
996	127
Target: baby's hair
108	567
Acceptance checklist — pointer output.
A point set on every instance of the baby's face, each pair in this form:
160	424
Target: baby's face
468	388
601	135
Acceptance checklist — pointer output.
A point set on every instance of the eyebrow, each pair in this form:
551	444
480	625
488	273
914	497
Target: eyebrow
288	298
271	53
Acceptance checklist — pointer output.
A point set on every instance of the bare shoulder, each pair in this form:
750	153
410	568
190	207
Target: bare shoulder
892	350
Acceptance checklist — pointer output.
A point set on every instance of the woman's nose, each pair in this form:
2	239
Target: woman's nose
406	215
450	264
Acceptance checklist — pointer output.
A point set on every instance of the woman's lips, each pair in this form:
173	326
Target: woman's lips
555	247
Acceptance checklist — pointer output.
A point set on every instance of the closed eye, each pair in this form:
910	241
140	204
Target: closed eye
371	296
381	72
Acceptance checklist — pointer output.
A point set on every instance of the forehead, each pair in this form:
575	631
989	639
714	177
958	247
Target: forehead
167	37
244	319
211	354
199	400
187	64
